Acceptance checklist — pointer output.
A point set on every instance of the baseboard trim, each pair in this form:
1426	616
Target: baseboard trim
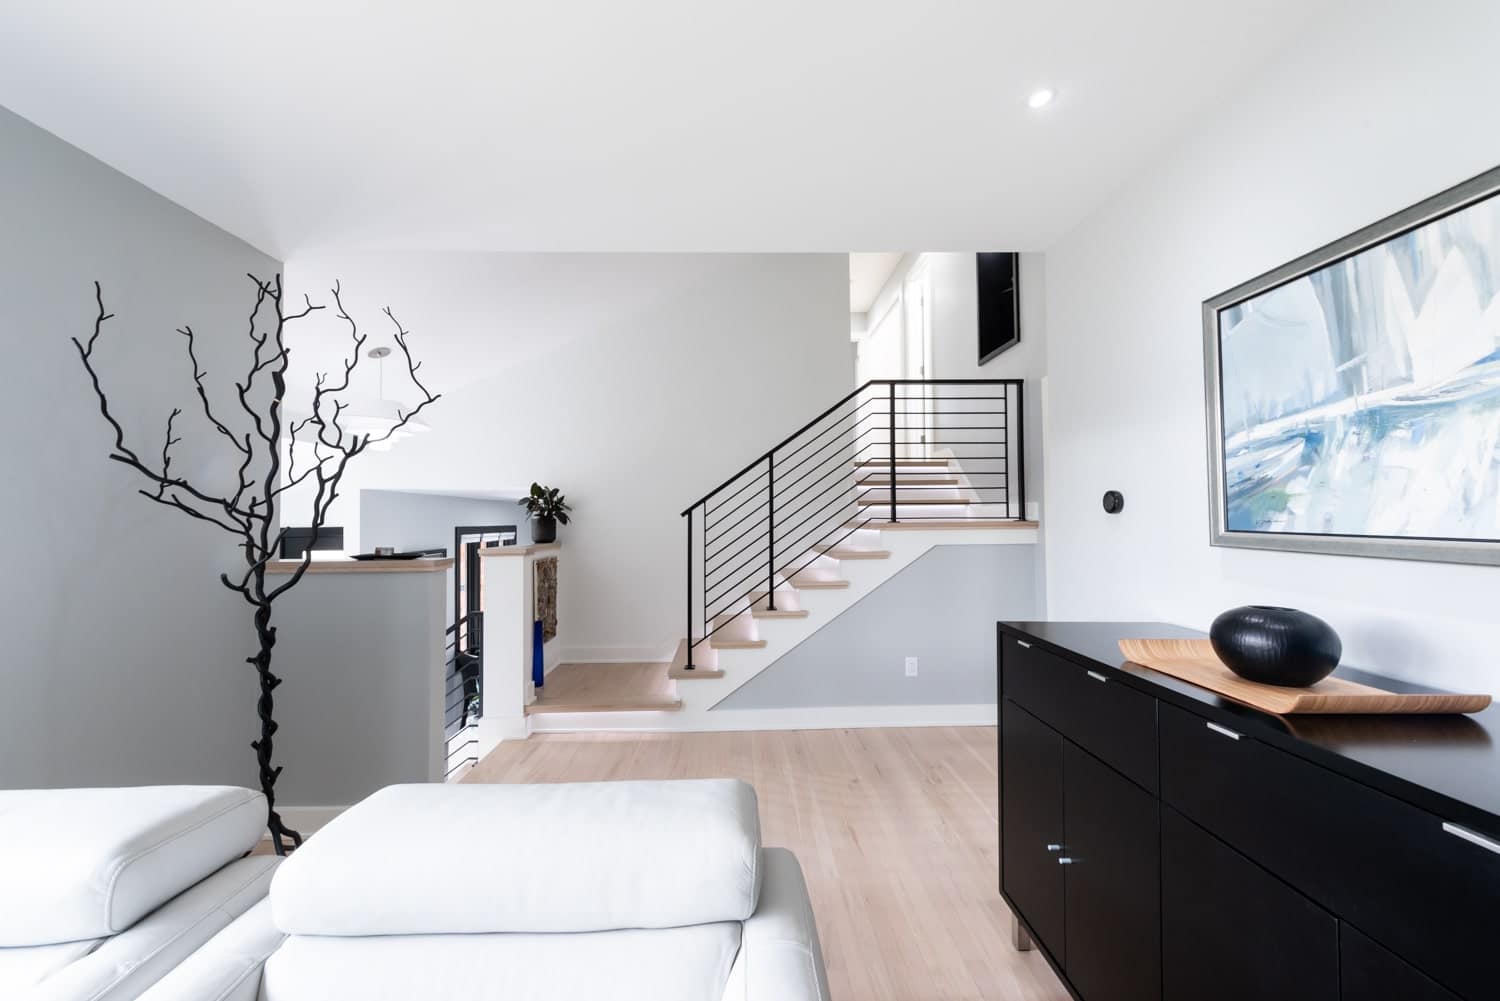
805	718
307	819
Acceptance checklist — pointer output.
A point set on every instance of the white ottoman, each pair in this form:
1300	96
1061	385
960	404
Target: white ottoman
632	891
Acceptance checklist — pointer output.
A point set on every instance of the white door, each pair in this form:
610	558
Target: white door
916	404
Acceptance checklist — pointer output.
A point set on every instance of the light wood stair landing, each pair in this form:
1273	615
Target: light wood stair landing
605	688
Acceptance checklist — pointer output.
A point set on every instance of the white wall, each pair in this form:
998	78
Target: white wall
953	313
124	658
1368	113
953	286
633	382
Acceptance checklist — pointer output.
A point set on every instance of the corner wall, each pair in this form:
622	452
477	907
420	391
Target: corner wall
124	658
1371	110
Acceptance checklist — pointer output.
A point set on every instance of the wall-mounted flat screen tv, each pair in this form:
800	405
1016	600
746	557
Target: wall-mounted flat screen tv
999	303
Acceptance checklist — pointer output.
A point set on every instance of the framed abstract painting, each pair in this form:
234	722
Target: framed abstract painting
1354	393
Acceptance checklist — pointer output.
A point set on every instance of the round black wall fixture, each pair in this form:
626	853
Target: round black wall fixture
1114	502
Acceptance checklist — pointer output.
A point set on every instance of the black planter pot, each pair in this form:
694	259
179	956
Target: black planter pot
1276	646
543	529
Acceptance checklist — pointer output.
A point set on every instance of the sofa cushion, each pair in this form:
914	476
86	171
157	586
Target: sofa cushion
88	863
580	857
23	967
673	964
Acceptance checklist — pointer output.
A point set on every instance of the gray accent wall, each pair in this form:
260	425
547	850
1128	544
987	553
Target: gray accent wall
424	521
363	700
941	609
410	521
123	660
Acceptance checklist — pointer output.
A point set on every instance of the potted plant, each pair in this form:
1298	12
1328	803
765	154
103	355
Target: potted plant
545	507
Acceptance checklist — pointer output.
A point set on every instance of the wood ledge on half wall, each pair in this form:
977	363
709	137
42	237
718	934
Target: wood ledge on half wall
343	564
535	547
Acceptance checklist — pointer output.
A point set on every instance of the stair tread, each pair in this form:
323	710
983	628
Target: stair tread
705	663
780	613
820	585
909	501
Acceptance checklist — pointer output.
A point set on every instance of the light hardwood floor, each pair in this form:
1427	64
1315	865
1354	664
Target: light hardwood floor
895	828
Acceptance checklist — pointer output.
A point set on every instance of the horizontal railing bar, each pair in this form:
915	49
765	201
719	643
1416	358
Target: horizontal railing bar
788	574
811	537
814	555
709	527
709	585
831	467
855	487
754	516
834	470
753	481
709	556
849	443
772	450
709	571
850	416
845	399
942	382
717	604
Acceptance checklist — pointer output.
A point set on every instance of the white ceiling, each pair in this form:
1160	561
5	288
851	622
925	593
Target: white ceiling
868	273
646	125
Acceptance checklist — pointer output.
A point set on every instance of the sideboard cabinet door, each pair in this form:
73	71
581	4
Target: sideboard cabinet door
1031	809
1233	932
1113	913
1371	973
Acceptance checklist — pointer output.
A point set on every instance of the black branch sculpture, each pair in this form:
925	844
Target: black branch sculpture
250	508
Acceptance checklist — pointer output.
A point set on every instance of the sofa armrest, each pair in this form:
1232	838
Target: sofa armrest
780	958
123	966
228	966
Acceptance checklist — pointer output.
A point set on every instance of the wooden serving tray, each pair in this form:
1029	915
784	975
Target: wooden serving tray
1194	661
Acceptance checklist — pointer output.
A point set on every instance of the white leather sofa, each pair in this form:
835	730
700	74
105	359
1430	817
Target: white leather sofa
627	891
102	891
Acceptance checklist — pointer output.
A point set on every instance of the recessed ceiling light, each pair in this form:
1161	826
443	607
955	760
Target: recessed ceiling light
1040	99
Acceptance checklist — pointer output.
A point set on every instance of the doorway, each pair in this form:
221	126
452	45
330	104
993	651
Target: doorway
468	581
468	613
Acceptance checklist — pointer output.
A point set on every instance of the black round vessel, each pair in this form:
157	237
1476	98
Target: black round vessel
1276	646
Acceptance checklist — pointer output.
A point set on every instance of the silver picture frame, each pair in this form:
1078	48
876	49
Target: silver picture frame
1446	550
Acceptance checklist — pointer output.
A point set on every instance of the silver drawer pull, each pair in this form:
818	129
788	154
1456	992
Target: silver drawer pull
1023	643
1223	731
1065	861
1097	676
1472	837
1054	848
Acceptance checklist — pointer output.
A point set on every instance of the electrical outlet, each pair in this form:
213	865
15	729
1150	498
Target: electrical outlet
911	667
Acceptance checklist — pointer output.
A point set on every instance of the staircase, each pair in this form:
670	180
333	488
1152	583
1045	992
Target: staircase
827	515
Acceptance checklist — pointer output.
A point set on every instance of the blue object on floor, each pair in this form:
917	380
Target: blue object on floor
538	676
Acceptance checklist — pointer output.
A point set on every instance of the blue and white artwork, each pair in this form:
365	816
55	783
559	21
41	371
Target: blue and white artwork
1363	398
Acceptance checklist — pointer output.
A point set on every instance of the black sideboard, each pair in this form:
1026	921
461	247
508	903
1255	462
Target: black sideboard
1160	843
